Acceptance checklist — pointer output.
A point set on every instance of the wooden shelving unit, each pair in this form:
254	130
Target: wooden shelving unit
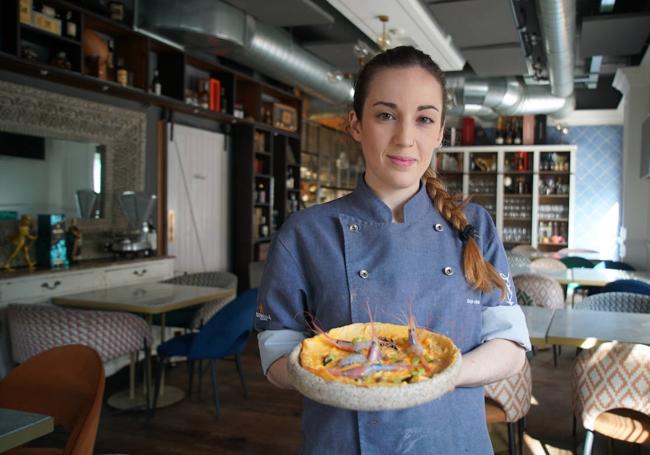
531	203
180	74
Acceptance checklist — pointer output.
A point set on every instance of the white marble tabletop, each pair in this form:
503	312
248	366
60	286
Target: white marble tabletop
20	427
146	298
585	328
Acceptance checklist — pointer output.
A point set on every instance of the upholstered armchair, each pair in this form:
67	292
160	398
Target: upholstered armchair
508	401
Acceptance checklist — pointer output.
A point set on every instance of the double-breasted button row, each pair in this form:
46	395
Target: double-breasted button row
448	271
363	274
438	227
354	227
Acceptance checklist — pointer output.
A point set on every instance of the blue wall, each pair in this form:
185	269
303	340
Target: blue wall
598	185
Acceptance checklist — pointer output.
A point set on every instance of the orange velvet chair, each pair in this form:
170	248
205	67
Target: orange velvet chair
66	383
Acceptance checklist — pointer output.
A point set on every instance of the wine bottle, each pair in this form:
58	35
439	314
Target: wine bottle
70	26
499	132
509	135
122	73
517	132
156	87
264	227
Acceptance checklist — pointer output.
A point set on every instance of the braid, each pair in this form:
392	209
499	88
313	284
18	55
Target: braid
478	272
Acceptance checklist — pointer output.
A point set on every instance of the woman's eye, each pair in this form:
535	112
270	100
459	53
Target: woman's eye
426	120
385	116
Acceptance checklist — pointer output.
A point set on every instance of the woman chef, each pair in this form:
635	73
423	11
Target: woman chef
399	239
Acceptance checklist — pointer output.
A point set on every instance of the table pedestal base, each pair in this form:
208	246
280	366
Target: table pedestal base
121	400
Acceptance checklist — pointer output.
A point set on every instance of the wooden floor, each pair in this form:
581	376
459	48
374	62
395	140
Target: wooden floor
269	421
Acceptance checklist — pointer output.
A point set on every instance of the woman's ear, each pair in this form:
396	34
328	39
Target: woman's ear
354	125
441	135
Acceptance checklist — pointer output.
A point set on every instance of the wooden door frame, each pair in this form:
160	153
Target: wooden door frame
161	169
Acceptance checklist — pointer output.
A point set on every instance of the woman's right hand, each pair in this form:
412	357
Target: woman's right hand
278	373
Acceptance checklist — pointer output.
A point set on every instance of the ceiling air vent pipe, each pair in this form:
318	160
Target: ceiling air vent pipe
215	27
489	97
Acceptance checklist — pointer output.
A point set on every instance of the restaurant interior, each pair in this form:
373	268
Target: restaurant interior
128	285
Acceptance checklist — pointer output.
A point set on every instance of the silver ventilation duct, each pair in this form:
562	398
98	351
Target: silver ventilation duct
510	96
215	27
558	23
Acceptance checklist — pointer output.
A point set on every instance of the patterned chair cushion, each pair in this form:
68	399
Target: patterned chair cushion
207	279
37	328
611	376
623	302
512	394
541	290
517	260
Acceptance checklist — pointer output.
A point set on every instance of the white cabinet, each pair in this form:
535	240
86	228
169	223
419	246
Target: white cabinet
528	190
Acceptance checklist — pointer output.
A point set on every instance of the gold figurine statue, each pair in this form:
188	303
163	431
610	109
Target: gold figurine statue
22	242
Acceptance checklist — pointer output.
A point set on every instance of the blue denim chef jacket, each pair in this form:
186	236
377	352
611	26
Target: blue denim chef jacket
332	259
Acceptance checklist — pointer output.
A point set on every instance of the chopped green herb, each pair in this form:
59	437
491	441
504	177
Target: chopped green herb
415	360
327	359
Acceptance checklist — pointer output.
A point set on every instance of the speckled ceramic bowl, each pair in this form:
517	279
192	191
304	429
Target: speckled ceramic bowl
377	398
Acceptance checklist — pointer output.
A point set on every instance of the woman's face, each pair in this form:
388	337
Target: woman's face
400	127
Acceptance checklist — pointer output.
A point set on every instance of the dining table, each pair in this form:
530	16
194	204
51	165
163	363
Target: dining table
148	299
20	427
585	328
584	276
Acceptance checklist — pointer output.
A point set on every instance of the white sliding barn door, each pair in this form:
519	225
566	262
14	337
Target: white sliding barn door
197	200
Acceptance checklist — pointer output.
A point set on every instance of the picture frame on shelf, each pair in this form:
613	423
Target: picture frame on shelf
285	117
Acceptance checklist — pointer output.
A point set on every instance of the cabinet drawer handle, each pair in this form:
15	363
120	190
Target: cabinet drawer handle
140	272
51	286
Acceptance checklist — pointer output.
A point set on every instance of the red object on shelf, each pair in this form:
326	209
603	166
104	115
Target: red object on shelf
215	95
468	131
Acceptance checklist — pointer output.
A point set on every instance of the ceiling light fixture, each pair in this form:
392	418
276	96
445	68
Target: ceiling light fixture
383	39
414	18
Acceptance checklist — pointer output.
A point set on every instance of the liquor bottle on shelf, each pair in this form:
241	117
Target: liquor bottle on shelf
70	26
290	179
261	193
509	134
517	132
293	203
499	139
223	100
122	74
110	61
156	86
264	227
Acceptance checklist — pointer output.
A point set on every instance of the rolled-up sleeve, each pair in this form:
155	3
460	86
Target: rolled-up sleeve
501	315
506	322
274	344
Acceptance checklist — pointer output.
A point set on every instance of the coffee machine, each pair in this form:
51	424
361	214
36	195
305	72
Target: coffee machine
137	240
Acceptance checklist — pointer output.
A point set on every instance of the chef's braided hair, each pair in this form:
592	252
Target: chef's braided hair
478	272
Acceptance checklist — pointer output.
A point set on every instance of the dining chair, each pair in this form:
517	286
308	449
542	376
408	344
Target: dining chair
542	291
525	250
574	262
634	286
548	264
622	302
193	317
611	394
508	401
66	383
223	335
617	265
516	260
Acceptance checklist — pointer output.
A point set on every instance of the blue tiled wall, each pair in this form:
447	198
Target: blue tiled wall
598	185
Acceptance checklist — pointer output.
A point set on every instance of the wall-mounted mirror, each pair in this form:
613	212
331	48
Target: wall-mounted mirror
48	175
